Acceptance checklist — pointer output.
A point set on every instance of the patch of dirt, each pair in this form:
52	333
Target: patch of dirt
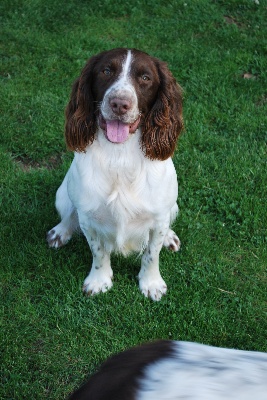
232	21
27	164
248	75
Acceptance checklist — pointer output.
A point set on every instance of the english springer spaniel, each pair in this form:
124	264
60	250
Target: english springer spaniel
168	370
122	122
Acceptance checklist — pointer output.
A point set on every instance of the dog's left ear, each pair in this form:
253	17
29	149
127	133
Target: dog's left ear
164	122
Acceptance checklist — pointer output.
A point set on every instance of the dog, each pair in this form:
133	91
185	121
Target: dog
122	121
170	370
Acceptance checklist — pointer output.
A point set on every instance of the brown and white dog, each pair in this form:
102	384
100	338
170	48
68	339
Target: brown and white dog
169	370
122	122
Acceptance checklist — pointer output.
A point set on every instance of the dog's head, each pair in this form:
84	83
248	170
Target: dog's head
119	91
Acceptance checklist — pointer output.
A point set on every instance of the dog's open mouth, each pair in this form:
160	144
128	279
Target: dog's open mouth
117	131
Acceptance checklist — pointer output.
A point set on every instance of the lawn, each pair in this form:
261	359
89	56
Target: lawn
52	336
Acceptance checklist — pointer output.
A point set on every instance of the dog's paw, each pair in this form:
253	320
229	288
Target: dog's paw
97	282
153	288
171	241
58	236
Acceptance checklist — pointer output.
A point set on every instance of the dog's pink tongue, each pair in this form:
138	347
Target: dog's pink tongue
117	131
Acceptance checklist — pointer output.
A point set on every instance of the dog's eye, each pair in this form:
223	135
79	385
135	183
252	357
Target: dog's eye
107	71
145	77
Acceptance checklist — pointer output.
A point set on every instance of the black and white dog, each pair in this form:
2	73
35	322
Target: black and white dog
170	370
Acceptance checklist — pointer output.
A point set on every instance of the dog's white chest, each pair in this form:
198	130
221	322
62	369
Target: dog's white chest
118	197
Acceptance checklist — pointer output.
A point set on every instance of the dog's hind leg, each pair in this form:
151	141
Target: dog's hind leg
171	240
61	233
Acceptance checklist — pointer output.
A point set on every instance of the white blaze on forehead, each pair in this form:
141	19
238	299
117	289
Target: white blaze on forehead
123	81
124	77
127	65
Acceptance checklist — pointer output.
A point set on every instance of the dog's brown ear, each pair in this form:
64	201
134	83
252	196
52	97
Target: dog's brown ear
81	124
164	122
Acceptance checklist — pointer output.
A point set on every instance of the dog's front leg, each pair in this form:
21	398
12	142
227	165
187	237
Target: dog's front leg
150	281
100	277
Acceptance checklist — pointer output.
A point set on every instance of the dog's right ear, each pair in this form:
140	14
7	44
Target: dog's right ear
81	123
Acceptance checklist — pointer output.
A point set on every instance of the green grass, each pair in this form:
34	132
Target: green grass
52	336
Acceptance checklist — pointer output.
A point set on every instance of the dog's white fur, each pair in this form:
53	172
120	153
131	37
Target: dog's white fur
113	193
121	200
202	372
